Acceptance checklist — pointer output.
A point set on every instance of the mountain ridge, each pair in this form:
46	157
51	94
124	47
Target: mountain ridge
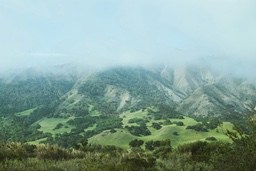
191	90
174	87
136	101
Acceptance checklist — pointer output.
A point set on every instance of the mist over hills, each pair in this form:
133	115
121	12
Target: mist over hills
191	90
128	85
66	105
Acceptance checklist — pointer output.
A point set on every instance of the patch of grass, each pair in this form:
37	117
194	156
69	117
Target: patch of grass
225	126
25	113
126	116
91	128
93	112
37	142
48	125
122	137
187	121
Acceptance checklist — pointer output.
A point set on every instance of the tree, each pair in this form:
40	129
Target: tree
149	145
156	125
136	143
179	123
152	145
241	155
198	127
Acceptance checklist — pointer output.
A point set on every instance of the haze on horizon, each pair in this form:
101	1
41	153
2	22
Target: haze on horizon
128	32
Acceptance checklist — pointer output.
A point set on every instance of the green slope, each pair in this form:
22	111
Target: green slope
122	137
48	125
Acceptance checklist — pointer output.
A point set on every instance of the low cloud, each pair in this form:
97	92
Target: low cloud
128	32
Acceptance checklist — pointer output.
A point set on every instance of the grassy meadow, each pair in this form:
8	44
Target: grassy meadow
177	134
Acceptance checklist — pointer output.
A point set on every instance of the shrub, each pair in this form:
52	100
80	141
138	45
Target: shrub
167	122
198	127
175	133
136	120
179	123
58	126
156	125
13	151
52	152
211	139
136	143
139	130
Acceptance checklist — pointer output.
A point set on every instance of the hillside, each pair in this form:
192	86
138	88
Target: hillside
67	106
192	91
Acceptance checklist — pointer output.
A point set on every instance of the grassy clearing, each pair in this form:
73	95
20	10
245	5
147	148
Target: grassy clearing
25	113
93	112
122	137
126	116
90	128
37	142
48	125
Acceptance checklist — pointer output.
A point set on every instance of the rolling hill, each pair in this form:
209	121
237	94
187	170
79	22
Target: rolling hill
66	106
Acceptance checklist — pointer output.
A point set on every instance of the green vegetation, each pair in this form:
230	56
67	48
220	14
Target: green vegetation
127	117
25	113
211	139
120	138
136	120
121	79
198	127
43	127
136	143
37	142
158	155
164	112
93	111
52	125
139	130
22	95
156	125
179	123
87	128
177	134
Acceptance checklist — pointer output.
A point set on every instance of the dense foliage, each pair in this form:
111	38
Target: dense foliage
135	81
140	130
95	113
198	127
78	133
21	95
165	112
158	155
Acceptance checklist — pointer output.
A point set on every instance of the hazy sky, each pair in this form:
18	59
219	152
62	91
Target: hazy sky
107	32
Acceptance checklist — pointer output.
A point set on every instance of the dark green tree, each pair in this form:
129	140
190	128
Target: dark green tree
136	143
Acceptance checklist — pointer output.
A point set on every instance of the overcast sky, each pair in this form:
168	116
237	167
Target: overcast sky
112	32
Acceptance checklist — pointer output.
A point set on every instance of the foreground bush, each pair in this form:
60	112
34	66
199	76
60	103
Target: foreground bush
13	150
159	155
